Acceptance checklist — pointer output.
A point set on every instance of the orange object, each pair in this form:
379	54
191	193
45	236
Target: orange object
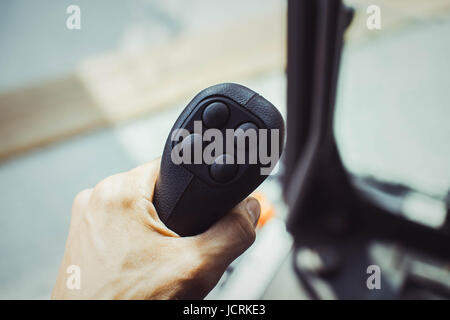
267	208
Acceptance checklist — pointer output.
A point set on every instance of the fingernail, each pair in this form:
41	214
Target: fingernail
253	210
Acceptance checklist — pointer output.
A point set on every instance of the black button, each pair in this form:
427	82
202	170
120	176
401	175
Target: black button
224	168
216	115
189	143
239	136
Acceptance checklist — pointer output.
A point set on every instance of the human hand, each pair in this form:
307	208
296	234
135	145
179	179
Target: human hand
124	251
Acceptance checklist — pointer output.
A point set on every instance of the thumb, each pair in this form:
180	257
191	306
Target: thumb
232	235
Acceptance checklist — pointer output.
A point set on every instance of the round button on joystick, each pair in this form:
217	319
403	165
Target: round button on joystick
216	115
224	168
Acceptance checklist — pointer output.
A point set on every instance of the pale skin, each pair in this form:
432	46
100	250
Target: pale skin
124	251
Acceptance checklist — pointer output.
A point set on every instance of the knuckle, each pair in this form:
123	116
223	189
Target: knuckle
79	205
82	198
113	192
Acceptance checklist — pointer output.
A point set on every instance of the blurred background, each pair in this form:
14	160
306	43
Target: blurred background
79	105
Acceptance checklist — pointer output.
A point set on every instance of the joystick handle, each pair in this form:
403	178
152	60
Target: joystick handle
192	195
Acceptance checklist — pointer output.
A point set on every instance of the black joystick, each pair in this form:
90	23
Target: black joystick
222	146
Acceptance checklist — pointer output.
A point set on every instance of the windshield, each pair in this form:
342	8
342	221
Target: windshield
393	112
